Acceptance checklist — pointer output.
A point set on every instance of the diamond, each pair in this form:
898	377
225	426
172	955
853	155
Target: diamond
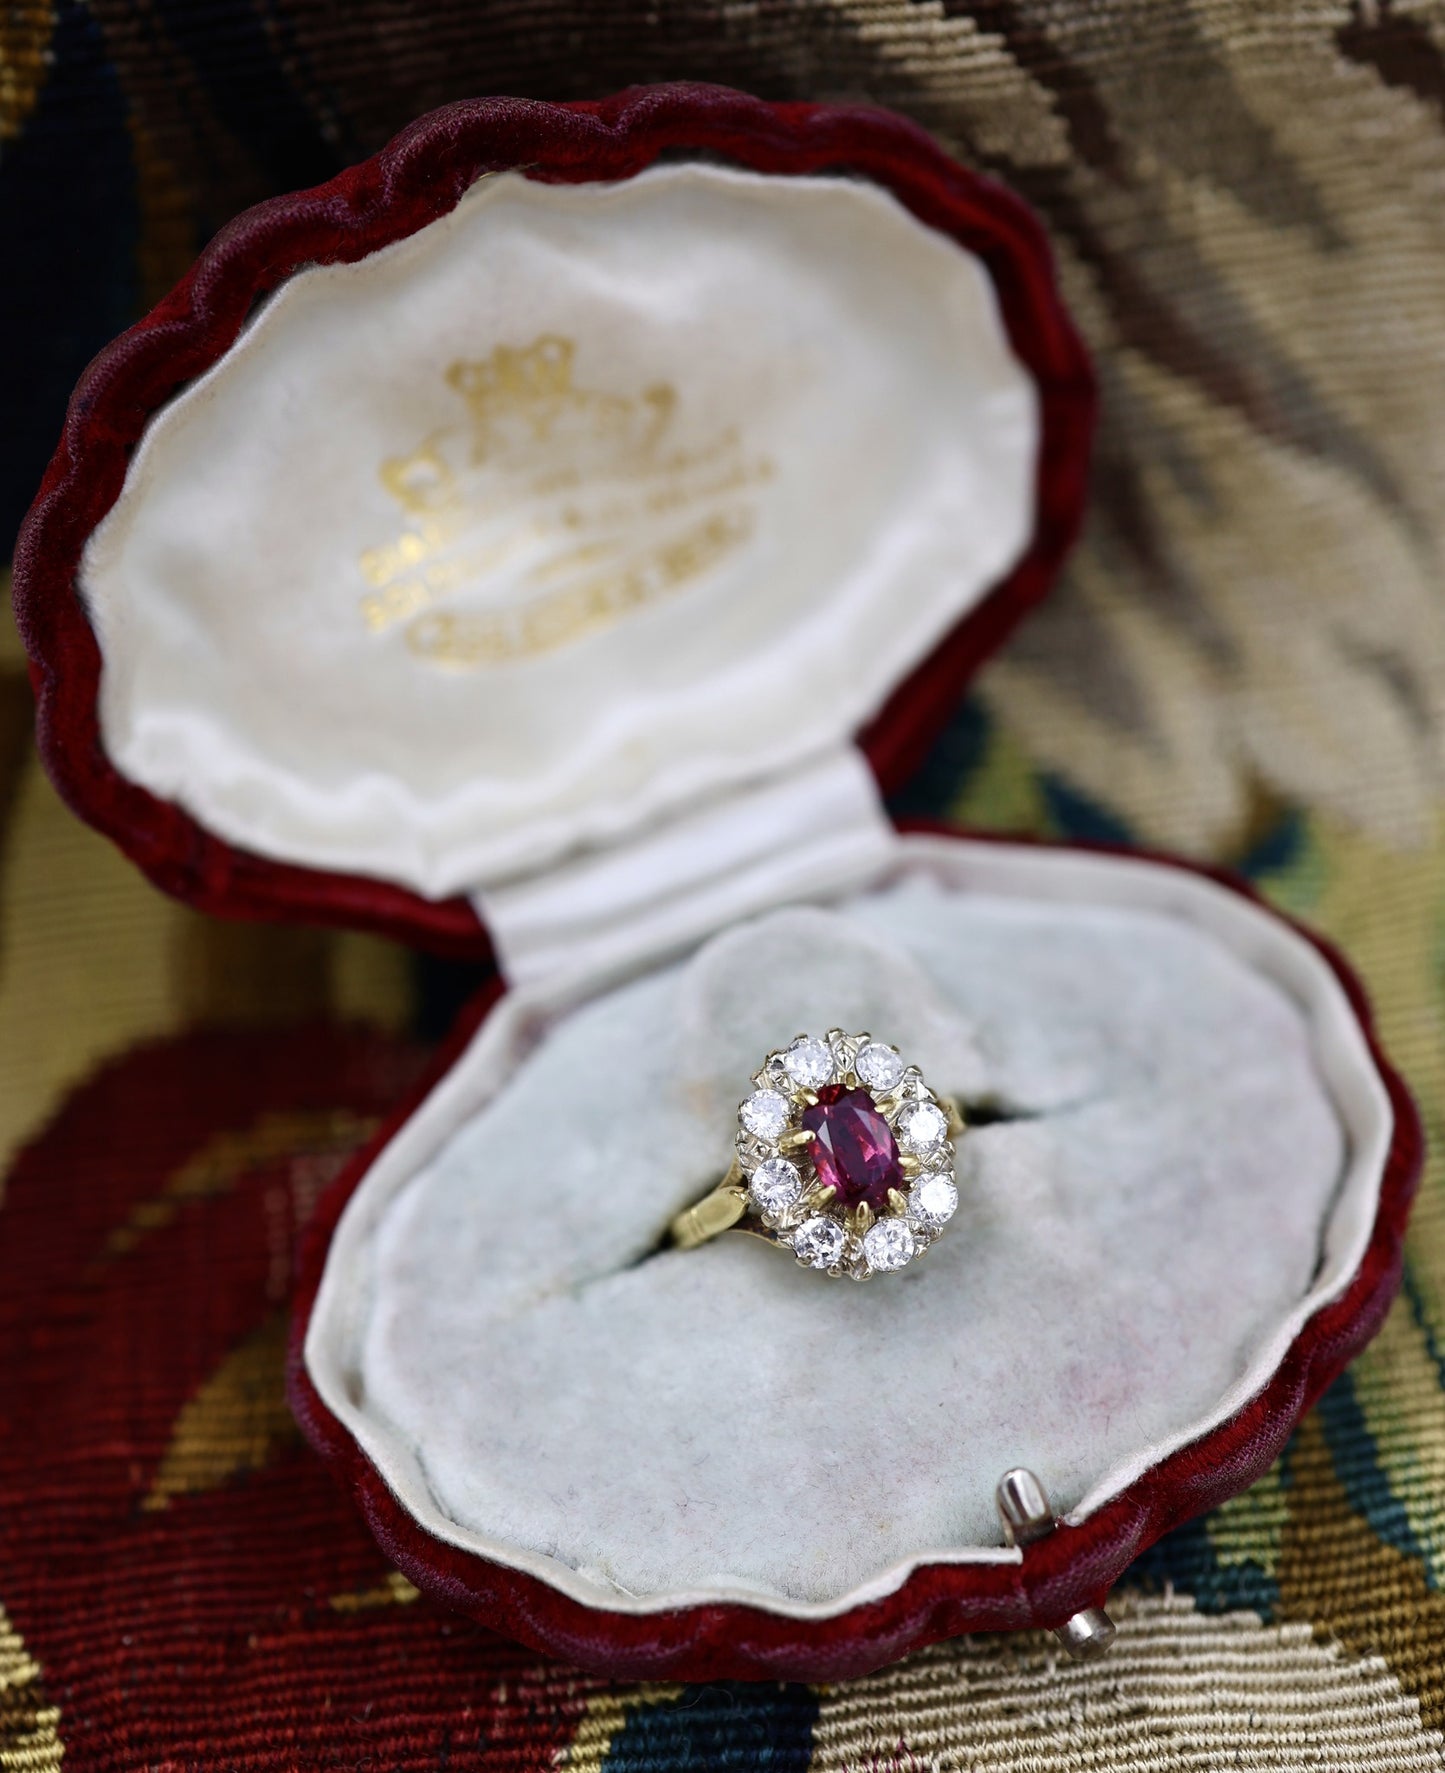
853	1149
809	1062
775	1185
888	1244
818	1243
765	1114
879	1066
923	1126
933	1199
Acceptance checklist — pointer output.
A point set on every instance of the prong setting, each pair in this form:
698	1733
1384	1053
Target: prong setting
871	1147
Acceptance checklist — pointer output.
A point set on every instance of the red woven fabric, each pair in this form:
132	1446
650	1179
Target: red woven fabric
194	1585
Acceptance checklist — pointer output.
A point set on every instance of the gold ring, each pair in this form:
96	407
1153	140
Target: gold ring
844	1156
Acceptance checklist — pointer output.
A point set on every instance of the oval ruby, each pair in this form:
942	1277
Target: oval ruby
853	1148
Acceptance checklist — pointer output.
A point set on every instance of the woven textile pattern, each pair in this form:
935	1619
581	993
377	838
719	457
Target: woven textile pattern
1245	662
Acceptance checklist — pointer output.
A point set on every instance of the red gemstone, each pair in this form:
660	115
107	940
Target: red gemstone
853	1148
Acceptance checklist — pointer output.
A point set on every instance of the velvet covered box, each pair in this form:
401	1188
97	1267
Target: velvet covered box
551	538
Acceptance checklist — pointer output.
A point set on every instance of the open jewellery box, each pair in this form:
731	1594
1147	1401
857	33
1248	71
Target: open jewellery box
549	539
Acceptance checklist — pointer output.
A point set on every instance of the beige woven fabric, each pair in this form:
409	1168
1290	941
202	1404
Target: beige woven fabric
1181	1689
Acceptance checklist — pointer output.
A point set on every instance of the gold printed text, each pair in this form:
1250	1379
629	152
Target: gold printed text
547	511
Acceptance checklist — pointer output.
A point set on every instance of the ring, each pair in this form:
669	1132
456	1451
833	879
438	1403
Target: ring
844	1156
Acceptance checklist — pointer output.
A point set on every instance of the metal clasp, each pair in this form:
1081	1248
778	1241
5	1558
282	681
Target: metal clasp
1027	1517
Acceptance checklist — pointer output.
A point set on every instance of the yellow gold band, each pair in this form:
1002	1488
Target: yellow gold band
718	1211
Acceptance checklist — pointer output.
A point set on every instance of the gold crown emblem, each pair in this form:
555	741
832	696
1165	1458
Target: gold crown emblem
527	417
534	375
521	396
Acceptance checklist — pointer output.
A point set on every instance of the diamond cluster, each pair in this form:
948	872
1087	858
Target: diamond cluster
848	1155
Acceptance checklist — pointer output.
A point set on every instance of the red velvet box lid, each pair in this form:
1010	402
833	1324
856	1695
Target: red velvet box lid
414	181
417	178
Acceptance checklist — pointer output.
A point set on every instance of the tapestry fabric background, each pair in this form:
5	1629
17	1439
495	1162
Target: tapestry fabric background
1245	662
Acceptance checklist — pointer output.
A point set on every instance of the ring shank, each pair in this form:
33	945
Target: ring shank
717	1211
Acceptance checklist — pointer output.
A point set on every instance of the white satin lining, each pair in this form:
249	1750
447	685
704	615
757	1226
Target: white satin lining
791	422
818	829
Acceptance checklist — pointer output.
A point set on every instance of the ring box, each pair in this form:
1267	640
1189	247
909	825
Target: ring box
549	539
